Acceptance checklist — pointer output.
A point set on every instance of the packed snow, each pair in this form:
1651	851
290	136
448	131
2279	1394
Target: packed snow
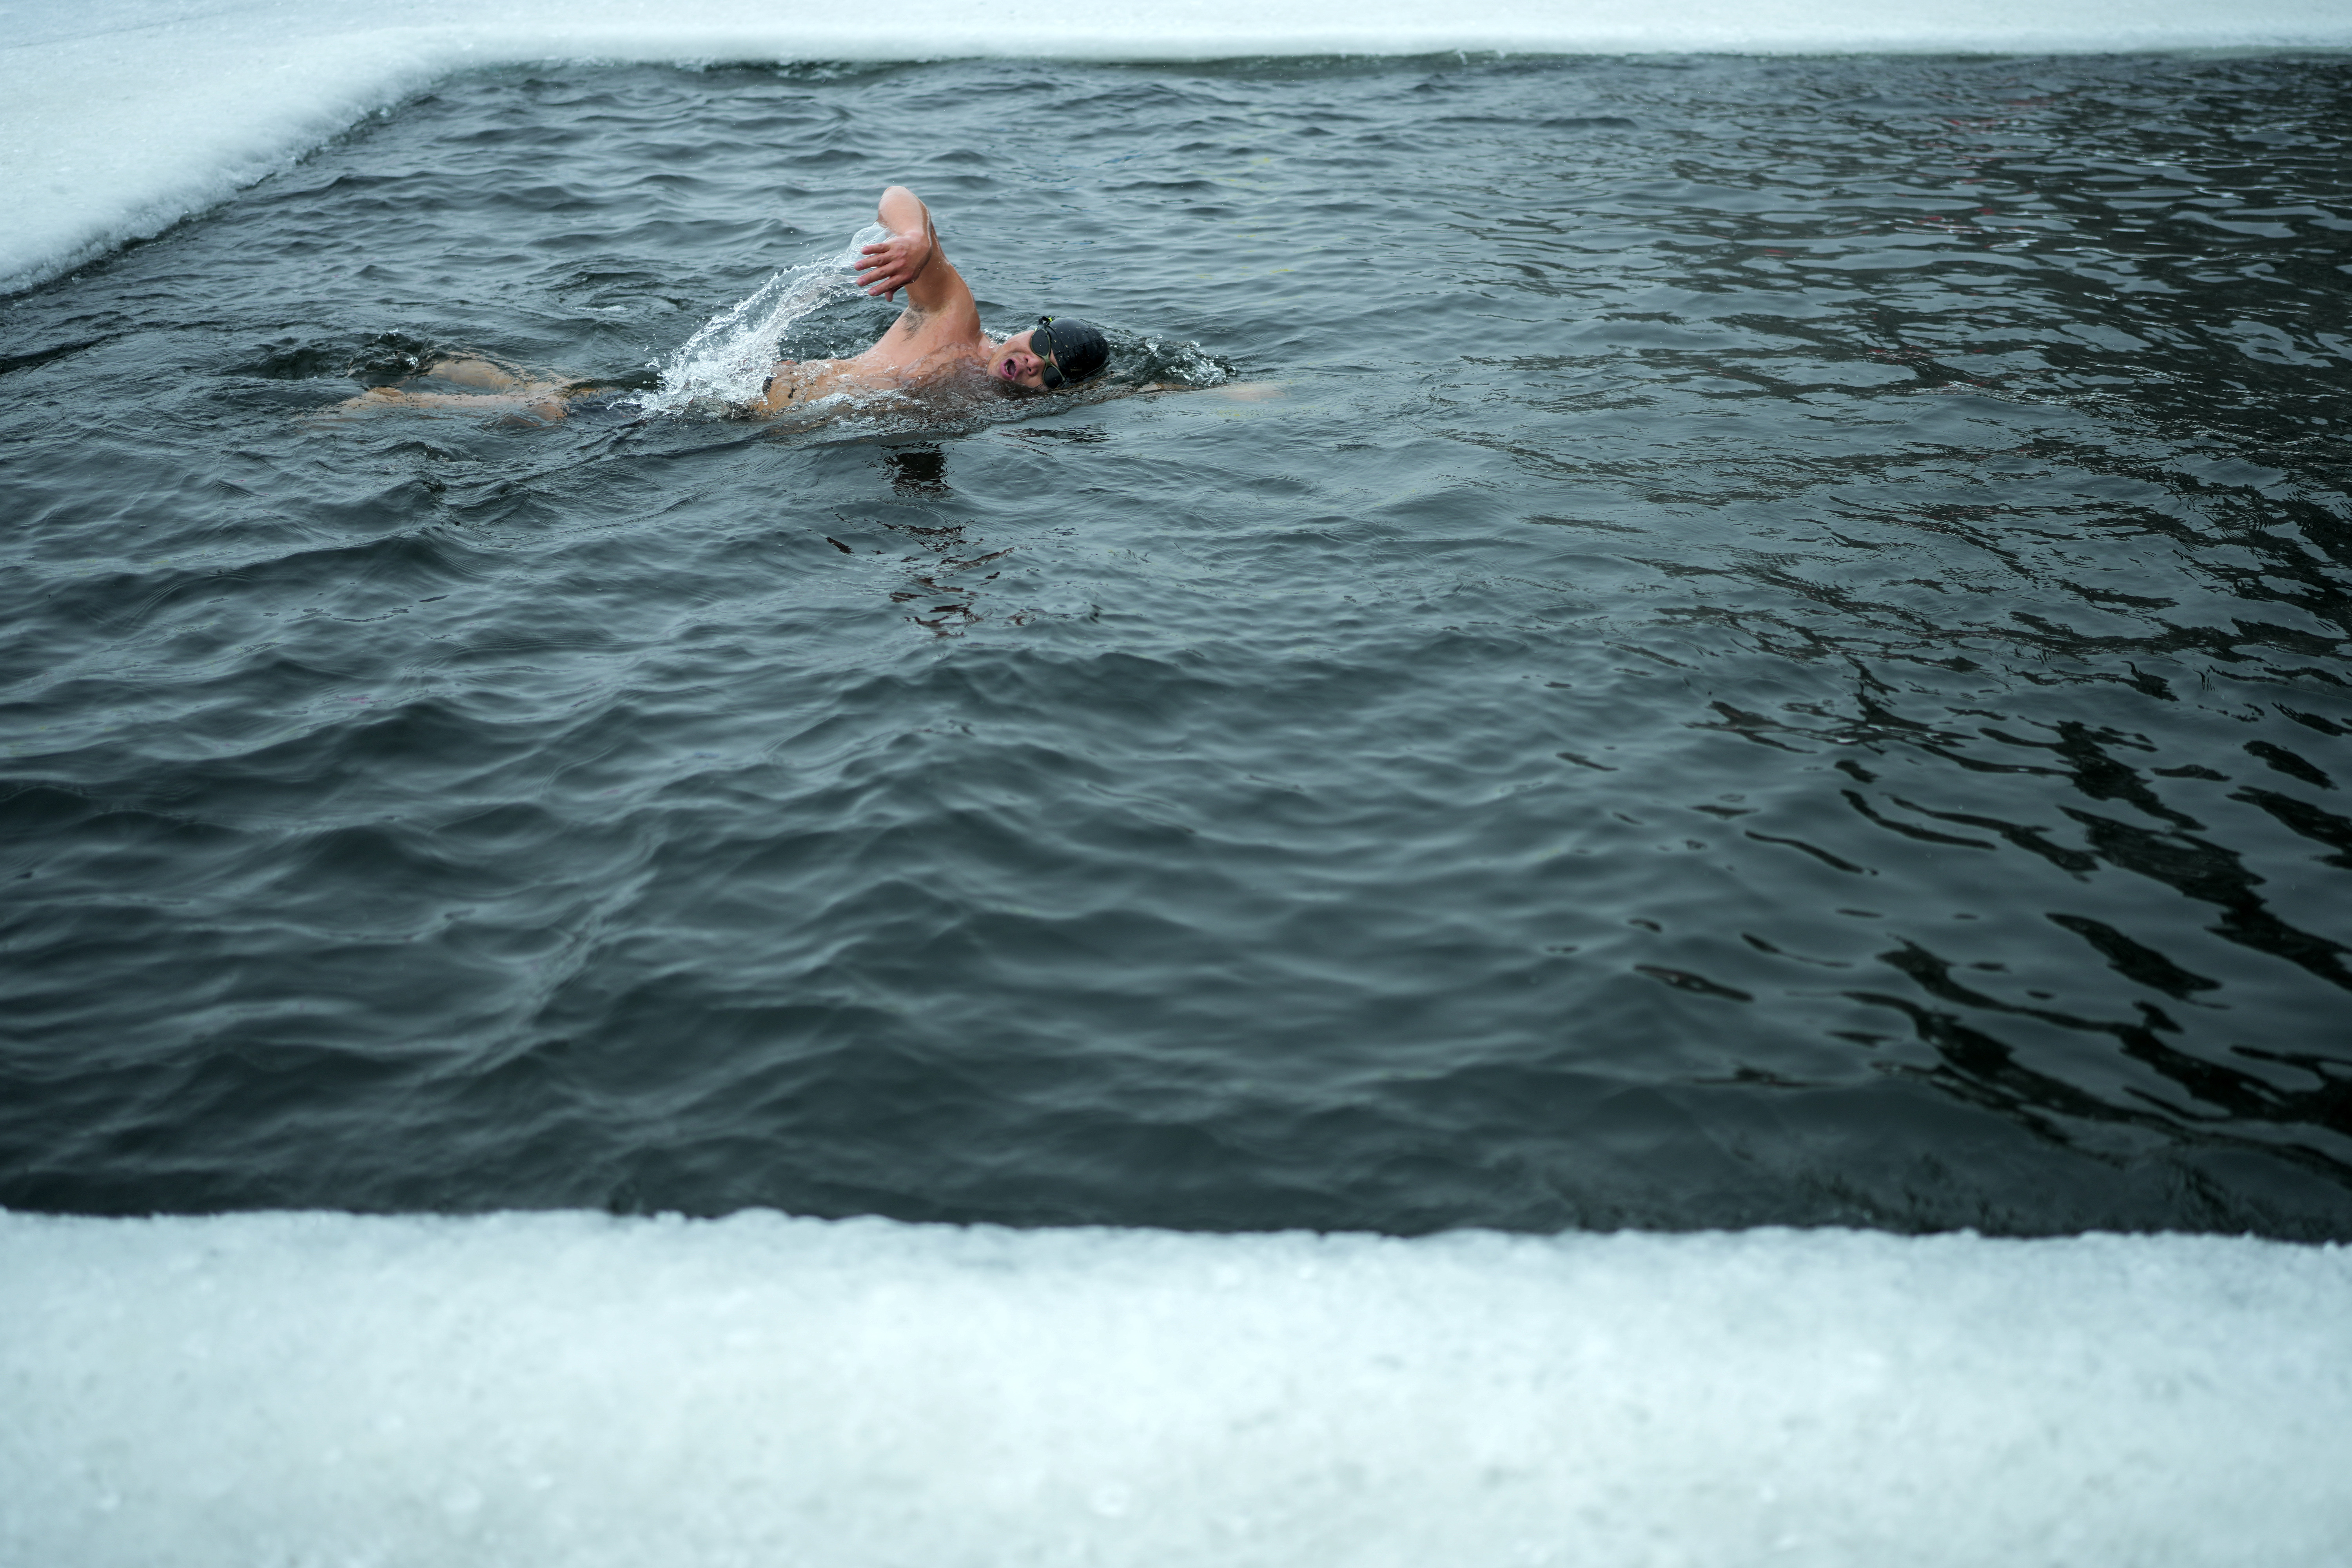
576	1389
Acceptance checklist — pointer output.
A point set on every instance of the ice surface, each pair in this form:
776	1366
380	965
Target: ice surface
118	117
577	1390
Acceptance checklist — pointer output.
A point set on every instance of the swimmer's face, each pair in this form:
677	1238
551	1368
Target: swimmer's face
1014	366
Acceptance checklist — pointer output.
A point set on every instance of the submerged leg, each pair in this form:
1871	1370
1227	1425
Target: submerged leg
502	390
543	400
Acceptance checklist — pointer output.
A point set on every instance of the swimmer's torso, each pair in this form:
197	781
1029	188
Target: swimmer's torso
936	337
919	349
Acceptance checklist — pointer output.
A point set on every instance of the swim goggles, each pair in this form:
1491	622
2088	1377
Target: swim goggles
1048	370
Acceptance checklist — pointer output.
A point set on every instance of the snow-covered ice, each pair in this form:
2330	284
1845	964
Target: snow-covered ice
578	1390
119	117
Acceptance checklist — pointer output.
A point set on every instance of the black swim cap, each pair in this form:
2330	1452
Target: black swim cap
1073	350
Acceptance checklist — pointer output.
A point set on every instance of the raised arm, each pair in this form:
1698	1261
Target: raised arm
937	332
910	258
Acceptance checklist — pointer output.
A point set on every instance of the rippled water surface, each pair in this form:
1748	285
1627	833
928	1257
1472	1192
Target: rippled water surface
1778	654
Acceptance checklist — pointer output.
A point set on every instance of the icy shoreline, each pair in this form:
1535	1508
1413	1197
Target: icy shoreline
121	117
574	1388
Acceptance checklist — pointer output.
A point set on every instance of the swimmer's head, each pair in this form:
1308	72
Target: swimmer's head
1059	350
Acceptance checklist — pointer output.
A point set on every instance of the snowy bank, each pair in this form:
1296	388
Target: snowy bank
119	117
566	1388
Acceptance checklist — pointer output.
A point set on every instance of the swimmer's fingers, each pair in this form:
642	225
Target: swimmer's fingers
889	266
895	263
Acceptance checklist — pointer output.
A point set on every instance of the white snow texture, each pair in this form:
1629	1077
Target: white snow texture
576	1390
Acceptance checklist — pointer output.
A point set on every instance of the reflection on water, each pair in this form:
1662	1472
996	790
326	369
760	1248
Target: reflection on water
917	470
1770	646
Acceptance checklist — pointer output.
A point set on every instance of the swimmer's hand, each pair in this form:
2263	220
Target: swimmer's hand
887	268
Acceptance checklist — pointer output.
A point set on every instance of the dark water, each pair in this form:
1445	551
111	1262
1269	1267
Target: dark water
1781	656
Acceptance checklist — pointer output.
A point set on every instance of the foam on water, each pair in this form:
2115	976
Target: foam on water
121	117
276	1388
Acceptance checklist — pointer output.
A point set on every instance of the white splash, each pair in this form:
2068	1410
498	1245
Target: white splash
1185	363
724	364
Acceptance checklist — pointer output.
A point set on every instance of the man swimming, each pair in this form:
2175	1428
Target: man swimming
937	340
937	336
